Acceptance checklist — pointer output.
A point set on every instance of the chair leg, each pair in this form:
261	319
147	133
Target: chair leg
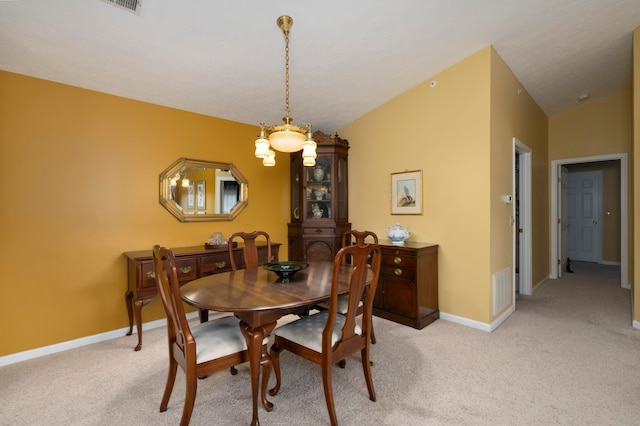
275	361
171	378
373	335
189	398
328	392
366	366
267	365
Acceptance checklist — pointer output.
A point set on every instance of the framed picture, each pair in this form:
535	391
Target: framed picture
406	192
190	196
200	195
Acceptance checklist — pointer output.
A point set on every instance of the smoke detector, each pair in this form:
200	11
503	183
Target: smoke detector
130	5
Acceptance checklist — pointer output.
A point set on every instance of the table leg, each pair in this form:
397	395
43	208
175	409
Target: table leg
258	356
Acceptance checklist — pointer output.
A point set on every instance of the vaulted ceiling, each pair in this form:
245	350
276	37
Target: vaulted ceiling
226	58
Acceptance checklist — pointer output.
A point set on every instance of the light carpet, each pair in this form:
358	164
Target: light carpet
568	355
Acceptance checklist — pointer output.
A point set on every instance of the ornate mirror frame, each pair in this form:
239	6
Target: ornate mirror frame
202	191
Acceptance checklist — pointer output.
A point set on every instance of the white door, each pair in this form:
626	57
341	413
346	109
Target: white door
522	257
584	216
563	224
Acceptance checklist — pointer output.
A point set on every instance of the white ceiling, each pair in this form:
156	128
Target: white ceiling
226	58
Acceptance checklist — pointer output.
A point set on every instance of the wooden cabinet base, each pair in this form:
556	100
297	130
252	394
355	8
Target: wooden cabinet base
408	287
419	323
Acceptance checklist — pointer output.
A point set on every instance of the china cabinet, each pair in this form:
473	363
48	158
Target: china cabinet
319	201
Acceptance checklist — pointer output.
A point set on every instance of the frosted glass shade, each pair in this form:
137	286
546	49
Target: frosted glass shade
287	140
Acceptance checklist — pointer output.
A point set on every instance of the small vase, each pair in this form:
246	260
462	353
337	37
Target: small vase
398	234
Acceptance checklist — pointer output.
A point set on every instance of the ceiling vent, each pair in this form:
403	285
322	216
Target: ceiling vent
130	5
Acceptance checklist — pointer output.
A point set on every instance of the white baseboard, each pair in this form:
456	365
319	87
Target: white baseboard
465	321
506	314
542	283
477	324
83	341
636	324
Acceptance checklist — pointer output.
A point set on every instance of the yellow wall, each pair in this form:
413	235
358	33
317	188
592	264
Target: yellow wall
515	114
450	133
635	188
80	172
81	169
600	127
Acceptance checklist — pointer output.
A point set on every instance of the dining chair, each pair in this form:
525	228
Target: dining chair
352	237
250	250
328	336
199	350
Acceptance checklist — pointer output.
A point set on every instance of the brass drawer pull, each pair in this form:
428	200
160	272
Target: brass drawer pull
151	274
397	260
220	264
185	269
398	271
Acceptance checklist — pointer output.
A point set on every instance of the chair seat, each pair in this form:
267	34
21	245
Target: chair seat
218	338
307	331
343	299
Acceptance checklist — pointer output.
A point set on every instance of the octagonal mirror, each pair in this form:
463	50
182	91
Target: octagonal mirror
200	191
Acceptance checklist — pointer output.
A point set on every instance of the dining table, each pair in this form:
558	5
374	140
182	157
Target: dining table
259	297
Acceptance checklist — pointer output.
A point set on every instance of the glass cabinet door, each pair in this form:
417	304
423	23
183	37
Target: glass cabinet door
341	190
318	189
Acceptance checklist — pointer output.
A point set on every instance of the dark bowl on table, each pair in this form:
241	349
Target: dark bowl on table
285	270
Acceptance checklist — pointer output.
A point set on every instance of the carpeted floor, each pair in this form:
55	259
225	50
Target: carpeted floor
568	355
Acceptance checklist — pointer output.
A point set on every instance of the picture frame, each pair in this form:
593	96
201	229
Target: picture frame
190	196
201	201
406	192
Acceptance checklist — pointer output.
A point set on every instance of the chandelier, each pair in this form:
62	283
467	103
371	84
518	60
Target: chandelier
285	137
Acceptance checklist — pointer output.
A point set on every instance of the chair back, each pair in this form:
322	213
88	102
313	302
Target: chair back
358	238
365	260
178	330
250	250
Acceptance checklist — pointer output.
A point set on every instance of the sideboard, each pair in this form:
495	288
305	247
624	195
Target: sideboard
191	263
407	290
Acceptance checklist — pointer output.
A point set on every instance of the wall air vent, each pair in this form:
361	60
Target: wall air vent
130	5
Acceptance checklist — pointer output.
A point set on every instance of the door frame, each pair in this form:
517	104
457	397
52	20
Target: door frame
624	212
525	256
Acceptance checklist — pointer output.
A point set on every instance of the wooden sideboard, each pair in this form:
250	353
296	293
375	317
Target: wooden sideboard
191	263
407	290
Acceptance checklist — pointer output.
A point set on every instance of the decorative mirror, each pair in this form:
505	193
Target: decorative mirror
201	191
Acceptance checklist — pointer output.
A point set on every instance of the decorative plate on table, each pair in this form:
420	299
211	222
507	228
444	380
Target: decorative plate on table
285	270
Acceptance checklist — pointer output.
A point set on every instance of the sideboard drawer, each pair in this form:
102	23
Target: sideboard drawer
394	272
394	259
147	275
214	263
187	268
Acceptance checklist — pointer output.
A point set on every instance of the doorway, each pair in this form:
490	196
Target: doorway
521	219
557	245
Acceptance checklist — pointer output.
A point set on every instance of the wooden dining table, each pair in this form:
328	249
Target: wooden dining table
259	298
